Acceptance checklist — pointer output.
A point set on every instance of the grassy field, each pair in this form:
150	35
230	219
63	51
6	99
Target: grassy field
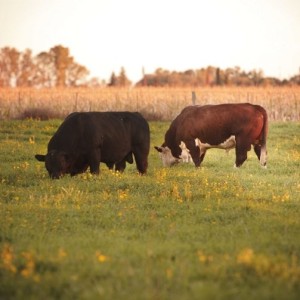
179	233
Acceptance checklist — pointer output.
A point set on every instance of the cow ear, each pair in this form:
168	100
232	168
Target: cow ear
159	149
40	157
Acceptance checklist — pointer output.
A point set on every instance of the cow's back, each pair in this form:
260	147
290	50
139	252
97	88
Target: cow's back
82	130
216	123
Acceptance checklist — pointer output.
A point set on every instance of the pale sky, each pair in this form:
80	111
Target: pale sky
105	35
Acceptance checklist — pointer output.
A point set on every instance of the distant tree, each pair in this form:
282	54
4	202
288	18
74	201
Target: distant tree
58	68
218	77
201	76
147	80
95	82
272	81
295	80
75	74
256	77
113	80
61	59
229	76
162	77
210	76
45	70
9	66
17	68
122	79
27	69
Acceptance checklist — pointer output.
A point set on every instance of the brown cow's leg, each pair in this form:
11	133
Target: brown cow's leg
261	154
195	153
241	156
241	150
202	155
257	150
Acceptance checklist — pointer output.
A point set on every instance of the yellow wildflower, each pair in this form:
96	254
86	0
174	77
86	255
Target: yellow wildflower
203	258
169	273
101	257
62	253
29	266
32	140
123	194
7	258
246	256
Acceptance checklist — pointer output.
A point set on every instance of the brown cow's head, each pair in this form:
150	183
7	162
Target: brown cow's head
166	156
57	163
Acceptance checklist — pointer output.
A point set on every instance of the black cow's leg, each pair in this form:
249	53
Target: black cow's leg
141	161
110	165
94	161
120	166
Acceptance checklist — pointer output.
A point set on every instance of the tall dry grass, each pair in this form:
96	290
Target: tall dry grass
282	103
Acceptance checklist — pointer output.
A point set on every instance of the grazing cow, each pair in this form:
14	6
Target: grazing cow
224	126
85	139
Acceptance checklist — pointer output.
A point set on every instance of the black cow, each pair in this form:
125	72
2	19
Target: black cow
225	126
85	139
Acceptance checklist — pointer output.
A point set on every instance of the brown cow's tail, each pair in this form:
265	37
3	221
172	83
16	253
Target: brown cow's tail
263	150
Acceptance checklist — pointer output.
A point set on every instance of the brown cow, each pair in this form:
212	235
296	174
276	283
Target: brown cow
225	126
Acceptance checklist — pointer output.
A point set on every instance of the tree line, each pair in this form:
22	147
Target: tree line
213	76
57	68
47	69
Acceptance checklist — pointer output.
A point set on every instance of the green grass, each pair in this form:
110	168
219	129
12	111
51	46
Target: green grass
179	233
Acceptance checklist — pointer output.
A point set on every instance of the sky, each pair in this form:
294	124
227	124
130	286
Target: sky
176	35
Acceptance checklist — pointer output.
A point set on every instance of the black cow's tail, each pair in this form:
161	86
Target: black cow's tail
263	150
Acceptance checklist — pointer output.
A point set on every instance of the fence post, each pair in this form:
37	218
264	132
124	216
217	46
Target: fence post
75	108
194	98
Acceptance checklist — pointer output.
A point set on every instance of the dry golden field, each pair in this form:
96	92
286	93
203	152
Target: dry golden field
282	103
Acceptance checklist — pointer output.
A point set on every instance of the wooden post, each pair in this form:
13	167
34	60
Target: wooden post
76	102
194	98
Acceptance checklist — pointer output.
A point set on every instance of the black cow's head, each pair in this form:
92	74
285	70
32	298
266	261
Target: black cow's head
57	163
